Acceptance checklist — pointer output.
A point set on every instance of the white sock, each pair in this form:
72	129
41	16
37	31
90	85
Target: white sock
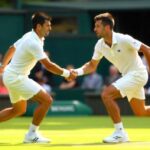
119	127
33	128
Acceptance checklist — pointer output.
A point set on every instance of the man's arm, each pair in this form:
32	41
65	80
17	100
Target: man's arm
88	67
7	57
52	67
146	51
56	69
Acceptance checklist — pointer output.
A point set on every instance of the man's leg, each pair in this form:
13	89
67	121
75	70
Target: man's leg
44	100
109	96
17	109
139	108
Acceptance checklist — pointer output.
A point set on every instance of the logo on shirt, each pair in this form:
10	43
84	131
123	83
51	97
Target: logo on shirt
135	43
118	50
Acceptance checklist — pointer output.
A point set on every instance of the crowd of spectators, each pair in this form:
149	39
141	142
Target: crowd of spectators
94	81
3	89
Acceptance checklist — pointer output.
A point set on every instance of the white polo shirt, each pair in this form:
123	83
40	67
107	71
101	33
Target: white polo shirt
29	50
123	53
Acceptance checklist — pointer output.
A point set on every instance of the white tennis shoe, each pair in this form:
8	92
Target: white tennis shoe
35	138
117	137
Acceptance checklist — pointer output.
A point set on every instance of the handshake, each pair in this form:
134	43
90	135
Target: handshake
72	73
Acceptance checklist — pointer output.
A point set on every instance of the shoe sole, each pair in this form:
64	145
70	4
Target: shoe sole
25	142
28	142
115	142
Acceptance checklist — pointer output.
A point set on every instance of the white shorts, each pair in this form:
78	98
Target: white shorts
132	84
20	87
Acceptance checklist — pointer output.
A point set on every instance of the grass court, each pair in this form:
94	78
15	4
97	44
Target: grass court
71	133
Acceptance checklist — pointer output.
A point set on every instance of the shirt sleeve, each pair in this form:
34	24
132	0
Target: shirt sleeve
20	40
37	51
17	43
97	55
133	43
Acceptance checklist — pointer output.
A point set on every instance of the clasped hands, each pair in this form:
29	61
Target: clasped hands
73	75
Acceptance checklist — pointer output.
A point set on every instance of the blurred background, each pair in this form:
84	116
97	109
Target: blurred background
71	44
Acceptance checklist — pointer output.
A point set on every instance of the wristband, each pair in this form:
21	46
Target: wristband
79	71
65	73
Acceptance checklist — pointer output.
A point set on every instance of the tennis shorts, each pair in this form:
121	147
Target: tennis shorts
20	87
132	84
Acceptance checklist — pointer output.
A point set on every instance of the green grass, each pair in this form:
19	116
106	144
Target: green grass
71	133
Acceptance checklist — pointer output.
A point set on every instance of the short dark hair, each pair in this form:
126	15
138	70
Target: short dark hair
39	18
106	18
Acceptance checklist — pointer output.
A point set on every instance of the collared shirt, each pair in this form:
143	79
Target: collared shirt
123	53
29	50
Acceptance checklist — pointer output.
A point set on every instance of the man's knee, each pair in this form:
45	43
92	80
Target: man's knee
19	112
105	96
48	101
110	93
43	98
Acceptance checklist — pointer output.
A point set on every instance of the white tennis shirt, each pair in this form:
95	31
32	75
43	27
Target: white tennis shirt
123	53
29	50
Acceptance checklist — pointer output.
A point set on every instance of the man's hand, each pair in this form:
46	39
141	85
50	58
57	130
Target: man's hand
73	75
